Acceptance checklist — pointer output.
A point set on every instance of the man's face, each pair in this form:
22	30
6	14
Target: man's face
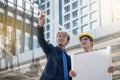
86	42
62	39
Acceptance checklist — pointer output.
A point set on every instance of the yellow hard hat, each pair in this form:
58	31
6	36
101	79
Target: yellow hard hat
85	34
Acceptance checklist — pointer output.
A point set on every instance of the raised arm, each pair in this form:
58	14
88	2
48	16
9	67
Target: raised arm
40	33
41	19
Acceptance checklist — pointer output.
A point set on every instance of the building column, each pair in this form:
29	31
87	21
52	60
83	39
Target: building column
23	29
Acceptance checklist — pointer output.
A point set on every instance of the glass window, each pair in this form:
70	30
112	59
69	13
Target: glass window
35	24
84	10
27	35
27	21
44	28
94	24
9	29
35	15
75	31
27	6
93	16
9	32
19	3
35	42
85	28
48	20
19	17
60	29
67	26
84	2
18	41
42	1
84	19
67	8
35	1
9	41
48	4
48	27
48	35
75	23
10	2
2	10
75	5
75	14
43	7
66	1
48	12
67	17
19	8
2	1
93	6
10	14
35	11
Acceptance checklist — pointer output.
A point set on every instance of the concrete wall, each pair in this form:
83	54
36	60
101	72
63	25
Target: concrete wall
105	12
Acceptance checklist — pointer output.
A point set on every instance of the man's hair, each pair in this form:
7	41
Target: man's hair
64	32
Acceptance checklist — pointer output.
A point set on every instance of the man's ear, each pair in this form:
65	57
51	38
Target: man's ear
68	42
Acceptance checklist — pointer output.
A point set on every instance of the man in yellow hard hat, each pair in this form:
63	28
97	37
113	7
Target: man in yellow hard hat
87	42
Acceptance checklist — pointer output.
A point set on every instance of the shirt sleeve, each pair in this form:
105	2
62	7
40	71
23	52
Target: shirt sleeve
42	42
